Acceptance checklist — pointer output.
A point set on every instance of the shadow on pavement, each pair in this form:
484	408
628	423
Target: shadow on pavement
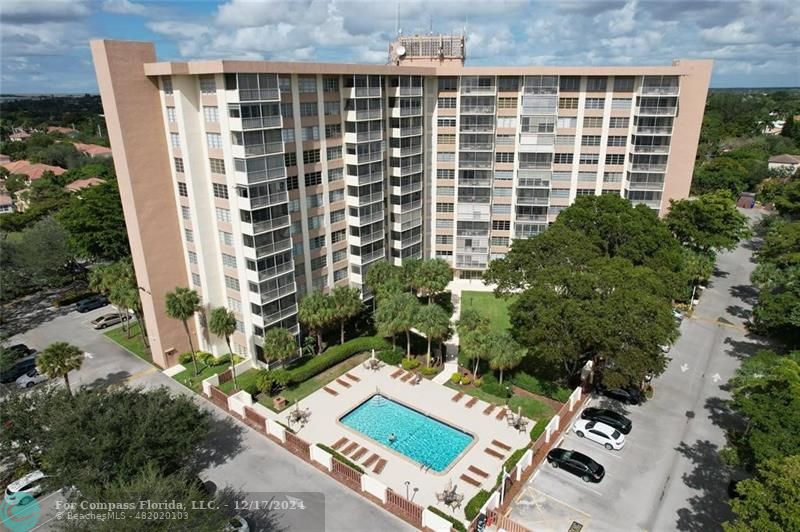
709	508
739	312
719	273
747	293
721	415
742	349
117	377
28	312
224	442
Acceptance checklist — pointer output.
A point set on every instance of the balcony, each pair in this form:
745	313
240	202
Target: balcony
407	170
649	167
271	249
269	225
369	238
407	131
477	109
365	179
251	95
363	114
372	256
477	128
467	264
366	219
653	204
411	223
365	157
654	130
281	314
477	91
662	149
407	189
261	122
363	136
646	186
535	165
398	112
540	90
527	182
533	200
474	182
263	275
659	91
476	146
407	207
406	242
366	199
474	164
261	176
531	217
405	91
656	111
272	199
272	295
363	92
252	150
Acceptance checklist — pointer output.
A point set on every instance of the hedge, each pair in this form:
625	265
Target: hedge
391	357
334	355
458	525
510	463
72	296
538	429
475	504
340	457
535	385
492	386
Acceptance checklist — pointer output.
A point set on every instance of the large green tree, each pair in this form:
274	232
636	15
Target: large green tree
396	313
434	276
222	323
707	223
473	332
279	344
345	302
434	322
383	276
182	304
96	224
316	313
771	501
506	353
58	359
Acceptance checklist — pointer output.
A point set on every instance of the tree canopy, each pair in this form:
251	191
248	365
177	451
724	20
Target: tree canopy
434	322
345	303
96	223
709	222
316	313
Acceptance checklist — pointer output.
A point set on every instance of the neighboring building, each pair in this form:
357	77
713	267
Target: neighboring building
81	184
62	130
784	162
19	135
6	203
271	179
34	171
4	159
93	150
774	128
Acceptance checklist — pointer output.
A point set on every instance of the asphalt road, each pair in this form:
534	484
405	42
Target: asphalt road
669	475
243	459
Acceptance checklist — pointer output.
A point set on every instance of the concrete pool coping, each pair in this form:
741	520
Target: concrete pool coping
453	462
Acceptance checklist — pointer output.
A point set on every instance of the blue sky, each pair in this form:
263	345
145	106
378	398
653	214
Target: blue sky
756	43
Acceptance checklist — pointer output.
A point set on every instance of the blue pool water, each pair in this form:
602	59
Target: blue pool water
423	439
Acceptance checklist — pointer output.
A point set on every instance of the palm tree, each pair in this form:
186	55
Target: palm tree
411	274
473	330
316	313
345	302
381	276
58	360
222	323
506	352
279	344
397	313
434	322
182	303
434	276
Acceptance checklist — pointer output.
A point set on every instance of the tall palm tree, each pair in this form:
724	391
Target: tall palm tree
400	312
279	344
473	330
58	360
182	303
506	352
316	313
434	322
434	276
222	323
345	304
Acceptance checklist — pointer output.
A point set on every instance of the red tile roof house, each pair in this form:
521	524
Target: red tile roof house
63	130
81	184
784	162
6	204
4	159
93	150
18	136
34	171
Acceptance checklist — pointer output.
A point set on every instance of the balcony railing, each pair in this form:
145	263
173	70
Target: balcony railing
281	314
410	111
369	157
361	92
406	242
263	149
534	165
367	114
540	90
639	148
371	237
477	109
272	199
531	217
477	128
411	223
471	265
660	111
373	255
476	146
410	169
261	122
408	189
263	275
372	217
268	225
409	91
410	131
649	167
366	179
645	186
660	91
407	207
264	175
410	150
533	200
475	164
366	136
654	130
474	182
465	89
276	247
533	183
272	295
249	95
367	199
653	204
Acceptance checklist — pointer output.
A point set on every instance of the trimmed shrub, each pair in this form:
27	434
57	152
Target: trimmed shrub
185	358
222	359
251	388
463	360
478	382
538	386
334	355
205	357
510	463
430	372
455	378
391	357
538	429
466	379
458	525
72	296
491	386
410	363
475	504
341	458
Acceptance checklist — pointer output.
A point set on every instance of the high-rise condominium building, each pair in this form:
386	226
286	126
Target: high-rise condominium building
257	182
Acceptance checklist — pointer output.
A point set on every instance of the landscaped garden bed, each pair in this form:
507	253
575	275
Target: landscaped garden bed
133	344
245	381
194	382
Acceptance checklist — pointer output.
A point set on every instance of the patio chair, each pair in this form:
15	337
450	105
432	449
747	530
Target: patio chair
417	380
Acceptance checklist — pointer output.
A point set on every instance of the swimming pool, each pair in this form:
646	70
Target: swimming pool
422	438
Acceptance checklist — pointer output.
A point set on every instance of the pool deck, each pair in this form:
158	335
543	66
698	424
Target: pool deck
479	464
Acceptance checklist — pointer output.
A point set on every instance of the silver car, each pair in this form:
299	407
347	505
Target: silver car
107	320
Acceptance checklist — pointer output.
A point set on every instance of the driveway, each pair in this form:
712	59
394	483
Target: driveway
243	459
669	475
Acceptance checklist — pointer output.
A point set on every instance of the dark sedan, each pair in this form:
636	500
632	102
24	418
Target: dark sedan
629	396
609	417
576	463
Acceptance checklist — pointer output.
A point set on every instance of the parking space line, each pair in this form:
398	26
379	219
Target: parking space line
559	501
572	479
597	447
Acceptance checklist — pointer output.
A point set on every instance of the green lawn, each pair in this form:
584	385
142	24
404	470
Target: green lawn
306	388
132	344
243	380
486	303
194	382
531	408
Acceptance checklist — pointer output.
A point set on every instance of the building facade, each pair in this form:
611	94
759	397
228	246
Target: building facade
258	182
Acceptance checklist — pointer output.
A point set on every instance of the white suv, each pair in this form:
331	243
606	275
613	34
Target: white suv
607	436
23	490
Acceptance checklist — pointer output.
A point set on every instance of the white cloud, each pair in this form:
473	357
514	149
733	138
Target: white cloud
733	33
40	11
124	7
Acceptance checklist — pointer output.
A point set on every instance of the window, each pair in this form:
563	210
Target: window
332	108
589	158
448	84
559	192
500	241
619	122
214	140
189	234
615	158
508	83
290	159
317	242
182	190
178	164
584	192
185	212
211	113
444	254
166	84
568	103
444	207
445	157
292	184
338	236
223	215
446	103
504	175
504	157
445	191
507	122
313	178
175	140
590	140
593	121
314	201
500	208
319	262
195	279
570	122
338	275
569	83
235	305
208	85
562	176
562	158
623	84
296	228
501	225
336	195
217	166
444	224
220	191
192	257
446	122
617	141
339	255
319	283
315	222
334	152
621	103
286	110
285	84
595	103
225	238
444	239
171	115
506	103
335	174
287	134
297	250
587	176
442	173
447	138
232	282
596	84
308	109
310	133
505	140
333	131
229	261
565	140
330	84
612	177
502	192
337	216
306	84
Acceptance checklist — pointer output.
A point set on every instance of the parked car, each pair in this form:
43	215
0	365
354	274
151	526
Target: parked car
18	351
31	378
23	490
237	524
598	432
107	320
609	417
91	303
20	367
678	315
576	463
629	395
